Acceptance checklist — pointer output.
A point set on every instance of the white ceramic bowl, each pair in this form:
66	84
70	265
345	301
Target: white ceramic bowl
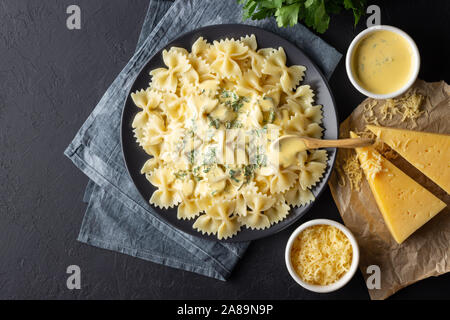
345	278
413	75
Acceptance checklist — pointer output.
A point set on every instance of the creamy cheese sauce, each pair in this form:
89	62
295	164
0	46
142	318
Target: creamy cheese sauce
382	62
289	148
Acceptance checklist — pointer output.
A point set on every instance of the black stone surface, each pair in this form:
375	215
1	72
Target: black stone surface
51	78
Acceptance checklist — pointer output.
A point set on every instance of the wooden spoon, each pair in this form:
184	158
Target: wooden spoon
306	143
291	145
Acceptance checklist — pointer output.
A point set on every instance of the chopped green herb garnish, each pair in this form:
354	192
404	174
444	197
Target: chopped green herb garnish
233	174
235	124
237	105
191	156
248	172
210	157
181	174
214	122
225	94
259	158
207	169
233	101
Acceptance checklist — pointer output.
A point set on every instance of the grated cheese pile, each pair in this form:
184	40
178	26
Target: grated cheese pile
349	164
368	115
408	107
371	164
350	168
321	255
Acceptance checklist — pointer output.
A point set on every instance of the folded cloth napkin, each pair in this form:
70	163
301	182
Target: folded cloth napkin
117	217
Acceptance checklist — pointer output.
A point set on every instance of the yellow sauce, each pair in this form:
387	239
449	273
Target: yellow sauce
382	62
289	148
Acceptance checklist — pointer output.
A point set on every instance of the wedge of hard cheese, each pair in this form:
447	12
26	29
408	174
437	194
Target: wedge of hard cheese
428	152
404	204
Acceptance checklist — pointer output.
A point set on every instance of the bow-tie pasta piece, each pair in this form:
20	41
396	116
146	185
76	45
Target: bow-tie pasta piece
303	95
278	212
314	113
206	224
166	196
301	125
262	183
229	52
219	219
257	60
241	204
189	208
249	86
201	67
289	77
150	165
154	130
223	211
166	79
200	48
201	105
303	105
282	180
255	218
173	107
297	196
312	166
250	42
209	88
147	100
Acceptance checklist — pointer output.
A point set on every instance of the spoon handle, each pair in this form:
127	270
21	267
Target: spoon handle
341	143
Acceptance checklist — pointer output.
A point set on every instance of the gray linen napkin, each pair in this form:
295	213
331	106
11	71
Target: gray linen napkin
117	218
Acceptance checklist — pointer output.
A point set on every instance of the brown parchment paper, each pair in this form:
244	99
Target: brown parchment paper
427	252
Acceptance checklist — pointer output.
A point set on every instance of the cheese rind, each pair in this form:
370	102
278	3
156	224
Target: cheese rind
405	205
428	152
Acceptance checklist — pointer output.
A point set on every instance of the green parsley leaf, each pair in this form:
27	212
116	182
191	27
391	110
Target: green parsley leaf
314	13
271	4
287	15
357	6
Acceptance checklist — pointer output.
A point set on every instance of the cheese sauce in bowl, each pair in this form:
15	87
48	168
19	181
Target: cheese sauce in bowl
382	62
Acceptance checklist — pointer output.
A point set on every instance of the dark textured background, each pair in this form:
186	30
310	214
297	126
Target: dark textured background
51	78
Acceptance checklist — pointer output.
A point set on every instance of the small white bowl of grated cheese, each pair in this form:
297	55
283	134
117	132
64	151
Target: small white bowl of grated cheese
322	255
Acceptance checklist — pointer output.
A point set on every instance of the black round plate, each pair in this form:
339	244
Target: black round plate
135	157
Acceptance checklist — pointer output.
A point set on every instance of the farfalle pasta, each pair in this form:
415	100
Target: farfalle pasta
208	121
